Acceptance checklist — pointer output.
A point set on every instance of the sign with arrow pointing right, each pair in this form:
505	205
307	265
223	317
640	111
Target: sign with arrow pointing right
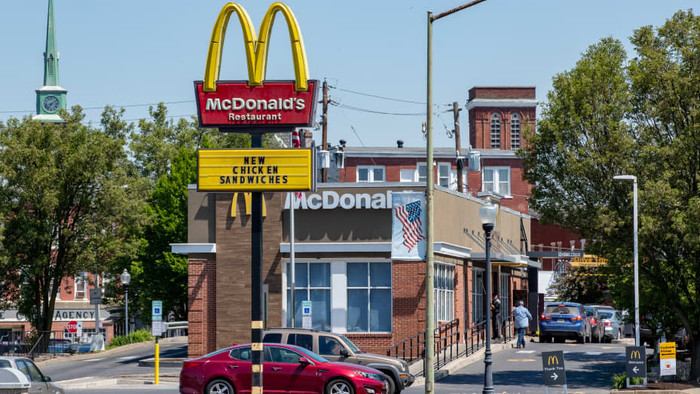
553	368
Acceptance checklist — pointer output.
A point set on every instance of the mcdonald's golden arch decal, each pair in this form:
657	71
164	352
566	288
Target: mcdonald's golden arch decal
552	360
255	103
635	355
229	170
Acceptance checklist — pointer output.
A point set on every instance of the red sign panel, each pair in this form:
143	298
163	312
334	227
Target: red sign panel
276	104
72	326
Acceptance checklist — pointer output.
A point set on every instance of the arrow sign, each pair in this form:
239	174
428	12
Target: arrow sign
636	360
553	368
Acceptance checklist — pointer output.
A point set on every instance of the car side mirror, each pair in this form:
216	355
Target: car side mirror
47	378
304	360
344	352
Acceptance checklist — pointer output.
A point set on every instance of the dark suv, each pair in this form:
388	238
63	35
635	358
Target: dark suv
338	348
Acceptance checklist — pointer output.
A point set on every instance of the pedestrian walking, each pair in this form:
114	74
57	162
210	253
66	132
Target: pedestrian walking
496	316
522	318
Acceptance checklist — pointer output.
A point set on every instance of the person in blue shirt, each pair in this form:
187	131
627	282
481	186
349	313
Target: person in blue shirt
522	317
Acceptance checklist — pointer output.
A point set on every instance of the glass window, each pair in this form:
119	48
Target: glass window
497	180
370	173
422	169
495	131
328	346
302	340
312	283
272	338
408	175
514	131
505	299
477	296
5	364
282	355
81	286
444	292
369	297
444	174
241	354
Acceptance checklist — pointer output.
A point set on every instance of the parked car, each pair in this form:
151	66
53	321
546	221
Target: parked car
338	348
596	323
286	368
59	345
564	320
75	348
14	347
39	382
612	320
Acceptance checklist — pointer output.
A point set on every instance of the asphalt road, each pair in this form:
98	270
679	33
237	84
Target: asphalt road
589	369
105	365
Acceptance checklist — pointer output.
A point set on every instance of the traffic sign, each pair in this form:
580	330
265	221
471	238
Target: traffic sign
156	328
72	326
156	310
553	368
667	358
306	308
636	358
95	296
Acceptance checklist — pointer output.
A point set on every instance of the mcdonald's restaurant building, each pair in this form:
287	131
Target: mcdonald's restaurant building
343	265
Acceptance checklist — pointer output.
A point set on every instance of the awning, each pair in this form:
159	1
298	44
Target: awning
507	260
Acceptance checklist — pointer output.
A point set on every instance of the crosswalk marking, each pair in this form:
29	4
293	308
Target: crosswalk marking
525	351
593	353
126	358
92	359
521	359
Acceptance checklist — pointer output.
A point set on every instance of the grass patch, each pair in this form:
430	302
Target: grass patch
134	337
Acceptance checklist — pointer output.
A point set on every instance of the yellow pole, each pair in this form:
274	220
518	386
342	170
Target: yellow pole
157	359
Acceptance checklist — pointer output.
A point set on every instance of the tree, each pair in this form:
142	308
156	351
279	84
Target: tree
607	117
69	203
581	285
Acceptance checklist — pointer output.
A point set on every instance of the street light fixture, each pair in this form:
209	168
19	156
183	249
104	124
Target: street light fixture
429	372
126	280
487	215
636	256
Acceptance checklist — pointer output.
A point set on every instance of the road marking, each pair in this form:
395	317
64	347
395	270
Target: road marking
621	355
525	351
593	353
127	358
572	344
608	347
521	359
92	359
606	362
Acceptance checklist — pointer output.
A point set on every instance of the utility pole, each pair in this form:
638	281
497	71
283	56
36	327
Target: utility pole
324	171
458	145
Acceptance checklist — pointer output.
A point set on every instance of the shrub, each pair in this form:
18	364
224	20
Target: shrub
134	337
620	383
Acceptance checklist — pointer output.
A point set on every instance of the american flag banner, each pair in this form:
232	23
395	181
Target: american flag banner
408	226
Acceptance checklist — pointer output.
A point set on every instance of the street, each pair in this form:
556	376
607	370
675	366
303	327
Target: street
589	368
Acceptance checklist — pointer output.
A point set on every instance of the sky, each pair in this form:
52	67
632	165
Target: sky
372	54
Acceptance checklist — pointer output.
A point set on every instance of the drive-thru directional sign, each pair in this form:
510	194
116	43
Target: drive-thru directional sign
636	360
553	368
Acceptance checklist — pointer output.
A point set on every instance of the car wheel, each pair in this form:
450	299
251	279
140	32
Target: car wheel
339	386
391	385
581	339
219	386
544	339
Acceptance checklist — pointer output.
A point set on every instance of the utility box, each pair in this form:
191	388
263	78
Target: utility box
13	381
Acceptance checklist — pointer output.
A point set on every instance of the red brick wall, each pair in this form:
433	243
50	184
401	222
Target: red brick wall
480	125
519	187
392	166
201	307
502	92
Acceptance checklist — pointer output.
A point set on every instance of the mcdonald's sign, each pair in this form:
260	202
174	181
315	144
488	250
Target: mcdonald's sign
636	361
553	369
552	360
635	354
256	103
247	198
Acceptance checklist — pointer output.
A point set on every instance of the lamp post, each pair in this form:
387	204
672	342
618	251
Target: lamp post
487	215
428	372
126	280
636	256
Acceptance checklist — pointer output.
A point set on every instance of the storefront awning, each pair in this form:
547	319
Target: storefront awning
507	260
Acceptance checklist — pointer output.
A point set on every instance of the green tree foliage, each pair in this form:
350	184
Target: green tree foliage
70	203
581	285
609	116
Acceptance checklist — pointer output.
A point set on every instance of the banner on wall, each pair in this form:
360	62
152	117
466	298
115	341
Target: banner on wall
408	226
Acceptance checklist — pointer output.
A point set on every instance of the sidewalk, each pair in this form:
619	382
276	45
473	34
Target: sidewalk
168	380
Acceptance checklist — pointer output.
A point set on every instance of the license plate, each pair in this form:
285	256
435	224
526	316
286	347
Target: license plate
560	321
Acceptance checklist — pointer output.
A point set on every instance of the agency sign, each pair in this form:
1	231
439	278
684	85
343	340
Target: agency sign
255	170
255	103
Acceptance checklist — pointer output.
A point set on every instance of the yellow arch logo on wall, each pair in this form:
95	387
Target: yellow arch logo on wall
256	46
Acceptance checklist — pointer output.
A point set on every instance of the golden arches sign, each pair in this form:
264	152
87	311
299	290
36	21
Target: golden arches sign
635	354
256	47
553	360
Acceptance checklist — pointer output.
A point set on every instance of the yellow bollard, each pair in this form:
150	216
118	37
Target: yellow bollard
157	359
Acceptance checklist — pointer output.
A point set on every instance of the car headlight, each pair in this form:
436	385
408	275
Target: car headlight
368	375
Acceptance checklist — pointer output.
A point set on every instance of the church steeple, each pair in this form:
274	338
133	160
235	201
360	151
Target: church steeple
51	97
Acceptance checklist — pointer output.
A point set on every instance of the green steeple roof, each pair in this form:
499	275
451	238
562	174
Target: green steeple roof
51	54
51	97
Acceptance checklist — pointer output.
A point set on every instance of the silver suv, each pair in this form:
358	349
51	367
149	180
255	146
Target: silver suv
338	348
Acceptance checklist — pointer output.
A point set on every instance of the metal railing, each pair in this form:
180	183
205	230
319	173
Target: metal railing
447	345
475	337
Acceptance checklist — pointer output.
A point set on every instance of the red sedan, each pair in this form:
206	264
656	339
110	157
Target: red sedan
286	369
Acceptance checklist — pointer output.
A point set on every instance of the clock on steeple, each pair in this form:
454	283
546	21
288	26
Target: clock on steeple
51	97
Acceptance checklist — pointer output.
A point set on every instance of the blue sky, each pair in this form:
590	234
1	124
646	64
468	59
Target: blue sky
143	52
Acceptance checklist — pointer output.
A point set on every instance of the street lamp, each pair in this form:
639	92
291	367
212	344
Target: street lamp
429	372
126	280
636	256
487	215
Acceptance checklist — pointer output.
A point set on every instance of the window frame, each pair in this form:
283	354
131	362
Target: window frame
370	173
369	287
308	288
448	176
84	279
515	131
424	178
496	125
478	295
496	182
444	301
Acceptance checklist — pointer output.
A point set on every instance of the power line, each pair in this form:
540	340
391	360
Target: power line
383	97
359	109
115	106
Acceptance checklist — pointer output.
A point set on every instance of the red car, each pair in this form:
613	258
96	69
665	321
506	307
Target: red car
286	369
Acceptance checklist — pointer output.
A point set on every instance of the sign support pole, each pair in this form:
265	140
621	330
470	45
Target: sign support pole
256	292
292	263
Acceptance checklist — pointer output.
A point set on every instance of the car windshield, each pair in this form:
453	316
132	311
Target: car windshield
561	310
351	345
313	356
590	312
605	315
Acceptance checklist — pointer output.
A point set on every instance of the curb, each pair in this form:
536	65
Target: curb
168	380
86	383
462	362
